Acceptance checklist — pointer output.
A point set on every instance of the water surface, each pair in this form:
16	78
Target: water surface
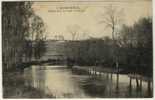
62	82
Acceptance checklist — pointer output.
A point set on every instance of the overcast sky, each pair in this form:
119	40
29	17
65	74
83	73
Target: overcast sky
60	16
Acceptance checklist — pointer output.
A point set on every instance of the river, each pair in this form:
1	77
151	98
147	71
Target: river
63	82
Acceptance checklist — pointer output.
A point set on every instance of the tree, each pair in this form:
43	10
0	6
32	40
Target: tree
137	40
112	19
74	31
59	37
19	23
143	33
36	34
37	28
15	26
38	37
39	48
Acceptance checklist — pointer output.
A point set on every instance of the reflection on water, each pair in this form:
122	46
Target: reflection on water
56	81
62	82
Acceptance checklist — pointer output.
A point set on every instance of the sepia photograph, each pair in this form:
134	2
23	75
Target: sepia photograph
77	49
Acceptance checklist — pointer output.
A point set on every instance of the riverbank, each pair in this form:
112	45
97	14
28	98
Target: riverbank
135	82
13	87
99	70
75	83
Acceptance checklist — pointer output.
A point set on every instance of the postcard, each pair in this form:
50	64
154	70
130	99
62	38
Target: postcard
77	49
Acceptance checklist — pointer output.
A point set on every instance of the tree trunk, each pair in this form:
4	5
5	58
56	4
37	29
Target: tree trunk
130	86
137	83
111	76
140	83
149	88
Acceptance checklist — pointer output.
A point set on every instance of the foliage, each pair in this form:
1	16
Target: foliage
39	48
137	40
133	49
20	28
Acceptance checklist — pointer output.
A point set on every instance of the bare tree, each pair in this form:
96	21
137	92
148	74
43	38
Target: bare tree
59	37
74	31
112	19
85	34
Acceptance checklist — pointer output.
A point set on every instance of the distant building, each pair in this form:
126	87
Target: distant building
54	50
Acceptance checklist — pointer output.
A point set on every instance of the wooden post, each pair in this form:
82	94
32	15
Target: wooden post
107	75
94	72
137	83
100	73
117	77
130	82
149	88
140	83
111	76
130	86
117	81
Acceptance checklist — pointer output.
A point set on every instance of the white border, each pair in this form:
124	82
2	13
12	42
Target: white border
153	5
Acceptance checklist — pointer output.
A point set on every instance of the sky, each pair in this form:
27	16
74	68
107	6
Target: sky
61	18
